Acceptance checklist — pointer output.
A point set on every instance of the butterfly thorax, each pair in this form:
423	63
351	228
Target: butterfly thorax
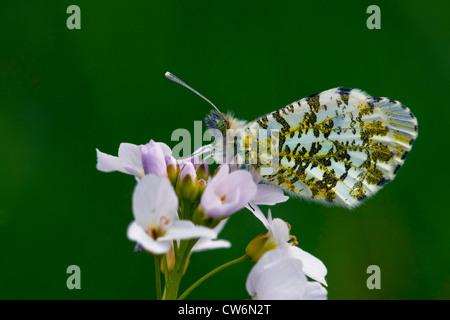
228	133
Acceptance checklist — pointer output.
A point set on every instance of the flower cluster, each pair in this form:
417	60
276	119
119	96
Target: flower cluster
180	207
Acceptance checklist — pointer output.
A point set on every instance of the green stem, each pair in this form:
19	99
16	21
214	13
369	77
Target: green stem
166	269
174	280
175	248
211	273
158	277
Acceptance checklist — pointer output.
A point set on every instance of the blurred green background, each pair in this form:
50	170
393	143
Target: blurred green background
64	93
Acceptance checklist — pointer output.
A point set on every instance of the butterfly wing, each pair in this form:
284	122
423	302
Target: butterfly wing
339	146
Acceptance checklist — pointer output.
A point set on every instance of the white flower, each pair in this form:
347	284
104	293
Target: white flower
204	243
136	160
279	276
266	194
156	224
279	232
227	193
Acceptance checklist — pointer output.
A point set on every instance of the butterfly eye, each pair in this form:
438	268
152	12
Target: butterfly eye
222	125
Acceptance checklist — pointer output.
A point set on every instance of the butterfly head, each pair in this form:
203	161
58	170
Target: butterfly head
217	121
222	122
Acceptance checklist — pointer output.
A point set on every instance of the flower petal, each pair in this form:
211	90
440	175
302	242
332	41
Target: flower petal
280	231
108	163
184	229
137	234
211	203
205	244
227	207
240	180
315	291
154	198
166	200
227	194
165	149
312	267
269	195
152	158
221	172
170	161
188	170
277	276
130	157
258	214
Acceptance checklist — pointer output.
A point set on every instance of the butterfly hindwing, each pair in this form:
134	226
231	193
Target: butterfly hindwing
340	146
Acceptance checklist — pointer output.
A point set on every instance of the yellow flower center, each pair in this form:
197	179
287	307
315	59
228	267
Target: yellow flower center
156	231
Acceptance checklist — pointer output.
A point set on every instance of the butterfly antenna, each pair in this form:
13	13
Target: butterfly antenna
170	76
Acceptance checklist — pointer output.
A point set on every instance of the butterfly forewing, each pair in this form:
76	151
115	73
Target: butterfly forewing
340	146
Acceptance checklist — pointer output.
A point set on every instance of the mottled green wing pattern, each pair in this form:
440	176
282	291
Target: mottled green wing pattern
339	146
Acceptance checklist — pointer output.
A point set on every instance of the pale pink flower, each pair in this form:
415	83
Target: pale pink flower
227	193
136	160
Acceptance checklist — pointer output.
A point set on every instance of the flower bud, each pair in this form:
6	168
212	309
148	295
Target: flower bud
203	171
170	256
260	245
153	159
187	187
188	171
201	184
172	168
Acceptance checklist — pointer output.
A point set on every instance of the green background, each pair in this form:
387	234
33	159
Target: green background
64	93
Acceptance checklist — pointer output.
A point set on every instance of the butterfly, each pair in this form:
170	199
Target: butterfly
339	146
